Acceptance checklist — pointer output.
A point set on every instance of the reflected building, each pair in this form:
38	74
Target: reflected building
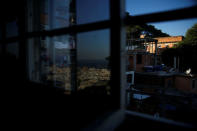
52	55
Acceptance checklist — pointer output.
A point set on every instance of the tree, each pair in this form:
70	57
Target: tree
186	51
134	31
190	37
154	31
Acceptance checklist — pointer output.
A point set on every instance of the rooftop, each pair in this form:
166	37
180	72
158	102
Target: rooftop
169	39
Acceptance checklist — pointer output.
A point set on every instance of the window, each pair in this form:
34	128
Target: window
59	55
73	61
77	55
93	70
54	41
13	49
11	29
99	11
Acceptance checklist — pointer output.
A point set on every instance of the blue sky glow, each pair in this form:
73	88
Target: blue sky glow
173	28
95	45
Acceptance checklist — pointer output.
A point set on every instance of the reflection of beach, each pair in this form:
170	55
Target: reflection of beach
88	77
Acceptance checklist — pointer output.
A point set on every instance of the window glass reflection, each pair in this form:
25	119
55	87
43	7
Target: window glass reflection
51	14
93	55
92	11
13	49
51	60
11	29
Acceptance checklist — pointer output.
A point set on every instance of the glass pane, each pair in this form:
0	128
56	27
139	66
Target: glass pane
62	59
139	7
51	14
92	11
34	59
93	54
11	29
54	14
51	61
13	49
161	69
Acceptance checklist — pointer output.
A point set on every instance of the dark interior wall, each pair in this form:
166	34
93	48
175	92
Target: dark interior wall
9	9
35	103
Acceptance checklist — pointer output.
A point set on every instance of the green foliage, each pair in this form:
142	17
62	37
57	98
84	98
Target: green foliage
154	31
190	37
134	31
186	51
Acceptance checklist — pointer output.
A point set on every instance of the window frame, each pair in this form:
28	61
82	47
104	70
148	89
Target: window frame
116	24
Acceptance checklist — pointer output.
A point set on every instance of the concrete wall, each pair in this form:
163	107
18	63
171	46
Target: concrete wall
169	39
164	42
147	59
184	83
